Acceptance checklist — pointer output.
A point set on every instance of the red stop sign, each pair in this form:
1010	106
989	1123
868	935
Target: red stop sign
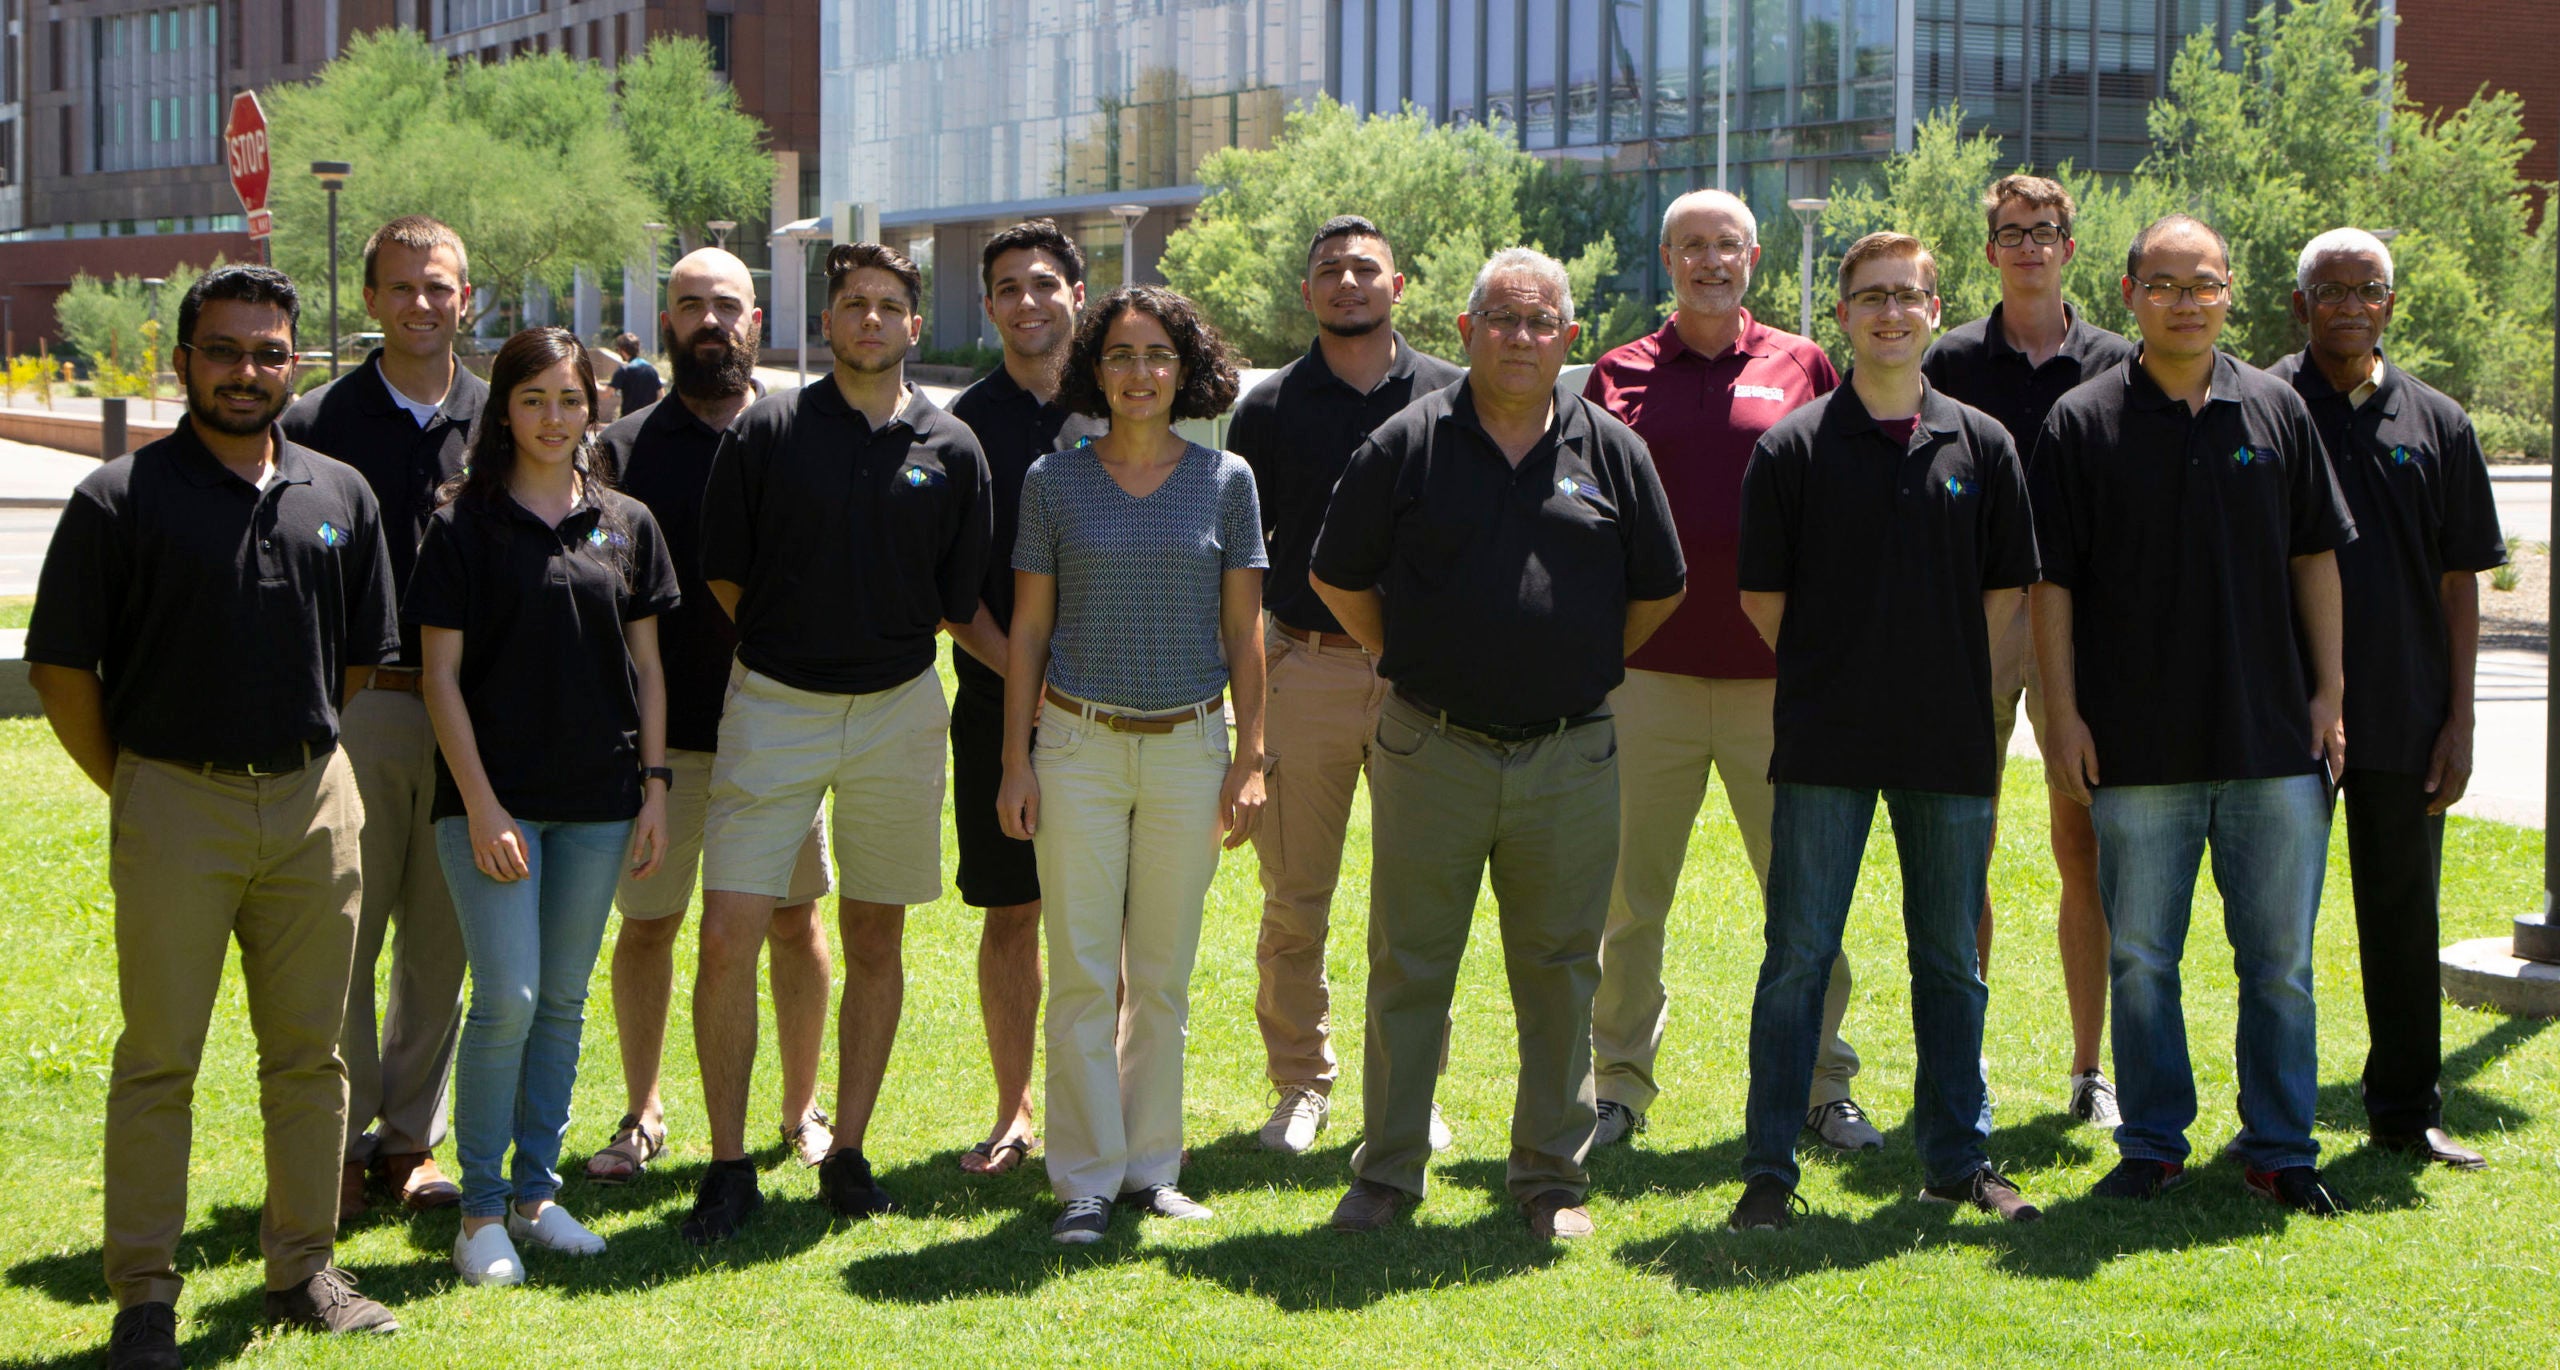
244	143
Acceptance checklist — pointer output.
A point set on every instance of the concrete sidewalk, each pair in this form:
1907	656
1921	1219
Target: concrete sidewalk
33	477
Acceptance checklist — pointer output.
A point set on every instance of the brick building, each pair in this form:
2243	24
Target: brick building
2450	49
110	110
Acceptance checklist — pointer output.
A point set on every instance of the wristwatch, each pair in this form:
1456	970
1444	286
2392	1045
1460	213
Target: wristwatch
665	773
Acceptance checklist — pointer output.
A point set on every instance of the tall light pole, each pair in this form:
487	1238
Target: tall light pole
333	178
1809	212
1129	216
720	231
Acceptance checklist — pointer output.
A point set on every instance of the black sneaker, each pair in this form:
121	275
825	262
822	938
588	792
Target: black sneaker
2298	1187
1768	1205
328	1302
1987	1190
727	1198
845	1179
2139	1179
1083	1223
146	1338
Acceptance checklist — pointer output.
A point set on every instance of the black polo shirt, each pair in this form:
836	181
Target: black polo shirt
852	545
661	456
2419	490
1014	429
2175	533
1296	430
355	419
555	706
1883	549
221	616
1506	587
1975	364
637	382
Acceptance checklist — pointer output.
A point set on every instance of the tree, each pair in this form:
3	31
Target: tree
699	156
110	322
1447	197
523	158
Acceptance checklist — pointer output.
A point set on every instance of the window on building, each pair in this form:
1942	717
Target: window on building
621	36
285	17
715	32
1463	56
595	40
239	52
62	126
54	60
8	152
1352	79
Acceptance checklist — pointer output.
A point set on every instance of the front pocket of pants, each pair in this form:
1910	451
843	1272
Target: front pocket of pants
1593	744
1396	737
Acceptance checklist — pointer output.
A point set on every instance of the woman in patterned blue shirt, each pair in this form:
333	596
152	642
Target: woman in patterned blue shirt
1137	601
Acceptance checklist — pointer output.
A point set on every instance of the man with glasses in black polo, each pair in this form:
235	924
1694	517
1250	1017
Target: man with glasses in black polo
2426	526
2188	626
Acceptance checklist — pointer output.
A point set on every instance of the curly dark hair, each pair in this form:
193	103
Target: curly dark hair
1208	369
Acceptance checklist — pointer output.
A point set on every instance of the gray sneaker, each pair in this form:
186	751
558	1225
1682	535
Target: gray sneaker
2093	1100
1165	1201
1617	1123
1441	1137
1843	1126
1295	1123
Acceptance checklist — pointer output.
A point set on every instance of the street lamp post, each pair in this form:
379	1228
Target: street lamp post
1809	212
1129	216
333	178
720	231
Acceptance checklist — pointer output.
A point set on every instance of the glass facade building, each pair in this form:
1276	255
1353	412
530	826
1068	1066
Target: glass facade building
956	117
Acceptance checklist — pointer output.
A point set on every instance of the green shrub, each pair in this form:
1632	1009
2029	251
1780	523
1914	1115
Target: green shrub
2512	436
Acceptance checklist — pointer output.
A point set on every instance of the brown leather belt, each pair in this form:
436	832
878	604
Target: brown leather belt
1320	638
401	678
1118	723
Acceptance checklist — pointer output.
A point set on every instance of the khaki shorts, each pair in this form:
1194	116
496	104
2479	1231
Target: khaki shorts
783	749
2013	675
665	894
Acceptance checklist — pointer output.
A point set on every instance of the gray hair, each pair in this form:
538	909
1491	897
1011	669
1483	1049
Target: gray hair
1722	200
2340	242
1530	260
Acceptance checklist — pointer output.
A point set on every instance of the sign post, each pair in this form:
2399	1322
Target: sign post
244	144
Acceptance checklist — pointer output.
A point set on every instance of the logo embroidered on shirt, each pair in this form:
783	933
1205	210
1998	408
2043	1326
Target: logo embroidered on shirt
598	537
1758	392
1568	485
2402	456
2246	455
1956	486
331	535
918	477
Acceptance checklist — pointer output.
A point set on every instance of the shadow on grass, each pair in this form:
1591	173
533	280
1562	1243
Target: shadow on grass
209	1333
1316	1268
228	1235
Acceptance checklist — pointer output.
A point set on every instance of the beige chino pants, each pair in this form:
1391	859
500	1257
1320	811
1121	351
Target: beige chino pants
1673	730
197	861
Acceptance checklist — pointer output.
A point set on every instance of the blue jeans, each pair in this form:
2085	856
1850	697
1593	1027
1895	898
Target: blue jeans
2270	849
532	945
1817	838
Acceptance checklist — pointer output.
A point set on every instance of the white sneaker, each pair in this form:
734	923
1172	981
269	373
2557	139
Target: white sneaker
554	1230
1295	1123
1843	1126
1617	1123
2093	1100
1441	1137
487	1257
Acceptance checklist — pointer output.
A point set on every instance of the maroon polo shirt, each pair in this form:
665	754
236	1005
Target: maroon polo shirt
1701	416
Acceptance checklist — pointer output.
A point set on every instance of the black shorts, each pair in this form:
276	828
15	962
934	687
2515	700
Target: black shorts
996	871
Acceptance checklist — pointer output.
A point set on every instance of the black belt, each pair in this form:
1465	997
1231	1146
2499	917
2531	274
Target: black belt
291	759
1500	732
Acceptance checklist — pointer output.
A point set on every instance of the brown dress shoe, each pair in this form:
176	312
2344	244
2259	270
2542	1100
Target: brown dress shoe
1558	1216
2437	1145
351	1204
1368	1206
413	1176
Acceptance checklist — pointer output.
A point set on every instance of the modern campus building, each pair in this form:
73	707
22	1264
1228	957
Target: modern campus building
956	117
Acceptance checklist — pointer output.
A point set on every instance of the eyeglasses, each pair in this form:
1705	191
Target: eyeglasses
1696	248
1873	301
1543	327
2206	293
2336	292
1157	359
225	356
2043	235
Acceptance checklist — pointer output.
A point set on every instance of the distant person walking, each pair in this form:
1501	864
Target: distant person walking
537	598
636	381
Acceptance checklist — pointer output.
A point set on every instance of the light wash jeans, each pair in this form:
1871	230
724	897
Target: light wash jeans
2270	843
1817	841
532	947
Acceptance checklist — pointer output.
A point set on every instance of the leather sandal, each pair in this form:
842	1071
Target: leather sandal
633	1147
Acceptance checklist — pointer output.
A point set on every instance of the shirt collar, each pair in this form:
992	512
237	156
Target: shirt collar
2076	333
669	413
461	403
914	411
1568	426
1400	368
197	463
1752	340
1848	414
2142	392
2313	384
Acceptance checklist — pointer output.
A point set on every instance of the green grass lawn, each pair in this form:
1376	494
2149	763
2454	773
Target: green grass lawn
16	610
2435	1267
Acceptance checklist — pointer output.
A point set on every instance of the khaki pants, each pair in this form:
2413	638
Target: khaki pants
1672	730
1316	728
401	1073
1127	845
1542	815
196	861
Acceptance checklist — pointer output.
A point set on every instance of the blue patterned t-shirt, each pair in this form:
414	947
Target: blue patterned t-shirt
1138	579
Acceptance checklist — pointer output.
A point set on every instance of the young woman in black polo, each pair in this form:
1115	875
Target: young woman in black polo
536	593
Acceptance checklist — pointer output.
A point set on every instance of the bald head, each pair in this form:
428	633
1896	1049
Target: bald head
711	324
1710	242
1724	204
707	271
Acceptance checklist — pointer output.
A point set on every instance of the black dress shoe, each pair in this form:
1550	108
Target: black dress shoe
145	1338
2434	1144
